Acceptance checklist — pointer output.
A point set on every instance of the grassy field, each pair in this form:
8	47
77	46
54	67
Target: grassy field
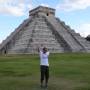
67	72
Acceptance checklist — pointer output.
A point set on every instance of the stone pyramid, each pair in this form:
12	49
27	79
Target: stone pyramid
42	27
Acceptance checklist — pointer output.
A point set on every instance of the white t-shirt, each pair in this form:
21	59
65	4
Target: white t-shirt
44	58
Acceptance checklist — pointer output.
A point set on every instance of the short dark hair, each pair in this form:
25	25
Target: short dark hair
44	49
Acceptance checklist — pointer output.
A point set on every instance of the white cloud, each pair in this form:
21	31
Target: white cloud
43	4
84	29
16	7
0	40
70	5
5	1
29	6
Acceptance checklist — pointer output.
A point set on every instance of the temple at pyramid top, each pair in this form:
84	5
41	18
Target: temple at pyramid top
43	28
42	11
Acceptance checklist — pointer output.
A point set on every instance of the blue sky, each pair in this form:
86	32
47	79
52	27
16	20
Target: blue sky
75	13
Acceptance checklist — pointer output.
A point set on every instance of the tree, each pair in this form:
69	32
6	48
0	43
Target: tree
88	38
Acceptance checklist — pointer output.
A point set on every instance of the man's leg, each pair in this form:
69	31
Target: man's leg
46	76
42	75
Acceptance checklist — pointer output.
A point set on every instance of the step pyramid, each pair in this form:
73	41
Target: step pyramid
42	27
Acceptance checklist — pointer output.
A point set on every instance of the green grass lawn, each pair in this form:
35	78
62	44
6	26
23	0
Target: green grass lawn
67	72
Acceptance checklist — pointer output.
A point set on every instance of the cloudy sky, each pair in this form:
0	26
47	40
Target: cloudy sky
75	13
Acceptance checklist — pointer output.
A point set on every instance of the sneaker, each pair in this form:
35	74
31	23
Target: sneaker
46	86
41	86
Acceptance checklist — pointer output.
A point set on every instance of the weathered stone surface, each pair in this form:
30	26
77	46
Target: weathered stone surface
42	27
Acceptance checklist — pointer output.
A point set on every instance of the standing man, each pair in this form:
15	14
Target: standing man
44	66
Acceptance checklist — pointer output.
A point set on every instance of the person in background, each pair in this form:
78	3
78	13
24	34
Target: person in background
44	66
5	52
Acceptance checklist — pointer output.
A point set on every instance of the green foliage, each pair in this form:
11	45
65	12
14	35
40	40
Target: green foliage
68	71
